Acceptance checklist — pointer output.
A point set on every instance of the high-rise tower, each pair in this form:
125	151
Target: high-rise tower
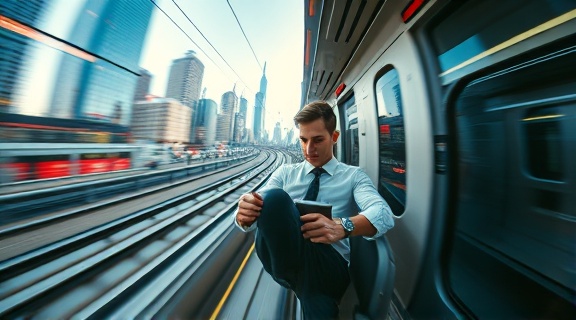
226	118
143	85
102	88
260	107
185	80
240	121
204	125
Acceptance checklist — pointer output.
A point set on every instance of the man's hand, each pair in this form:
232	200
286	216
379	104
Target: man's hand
249	207
320	229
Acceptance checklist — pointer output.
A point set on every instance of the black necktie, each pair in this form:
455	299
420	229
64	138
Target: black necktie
312	192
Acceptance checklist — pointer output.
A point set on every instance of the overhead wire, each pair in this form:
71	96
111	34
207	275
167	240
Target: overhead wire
188	36
245	37
210	43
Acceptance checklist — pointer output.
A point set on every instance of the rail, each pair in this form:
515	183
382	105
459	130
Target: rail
146	263
29	204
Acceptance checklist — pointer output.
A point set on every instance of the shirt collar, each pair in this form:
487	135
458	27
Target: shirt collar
330	166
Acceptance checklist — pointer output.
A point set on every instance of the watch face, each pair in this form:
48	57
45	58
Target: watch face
347	224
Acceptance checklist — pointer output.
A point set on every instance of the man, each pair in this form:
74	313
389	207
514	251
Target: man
309	253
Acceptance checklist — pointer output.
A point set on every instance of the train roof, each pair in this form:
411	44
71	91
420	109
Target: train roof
333	32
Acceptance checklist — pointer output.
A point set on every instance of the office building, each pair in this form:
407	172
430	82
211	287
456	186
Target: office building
100	83
204	122
228	107
143	85
185	79
161	120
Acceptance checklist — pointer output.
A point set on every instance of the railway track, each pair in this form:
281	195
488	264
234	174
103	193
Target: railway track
146	262
27	202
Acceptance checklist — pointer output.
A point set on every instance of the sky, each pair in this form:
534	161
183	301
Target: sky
275	30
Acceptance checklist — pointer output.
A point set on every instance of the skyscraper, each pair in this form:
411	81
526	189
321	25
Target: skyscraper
143	85
204	122
185	80
277	136
260	107
95	88
228	107
14	48
240	122
243	106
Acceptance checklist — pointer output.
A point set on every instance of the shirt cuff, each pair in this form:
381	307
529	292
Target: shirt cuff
243	228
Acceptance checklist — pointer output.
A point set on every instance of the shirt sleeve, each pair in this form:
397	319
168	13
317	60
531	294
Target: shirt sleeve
372	205
277	178
243	229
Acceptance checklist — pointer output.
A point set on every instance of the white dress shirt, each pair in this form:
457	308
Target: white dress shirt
347	188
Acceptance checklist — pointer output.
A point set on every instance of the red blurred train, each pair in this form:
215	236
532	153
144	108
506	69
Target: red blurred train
43	148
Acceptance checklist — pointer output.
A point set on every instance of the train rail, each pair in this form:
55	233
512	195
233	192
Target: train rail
177	244
31	203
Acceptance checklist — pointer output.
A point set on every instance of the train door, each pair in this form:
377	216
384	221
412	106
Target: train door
509	95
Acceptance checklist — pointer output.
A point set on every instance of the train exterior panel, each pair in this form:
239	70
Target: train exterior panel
462	113
30	161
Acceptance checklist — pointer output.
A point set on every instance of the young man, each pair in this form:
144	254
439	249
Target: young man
309	254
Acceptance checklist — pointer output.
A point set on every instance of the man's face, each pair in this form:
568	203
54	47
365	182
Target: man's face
317	142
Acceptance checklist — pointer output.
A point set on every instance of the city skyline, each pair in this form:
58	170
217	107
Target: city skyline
274	30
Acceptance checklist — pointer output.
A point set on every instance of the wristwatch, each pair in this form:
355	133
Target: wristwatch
348	226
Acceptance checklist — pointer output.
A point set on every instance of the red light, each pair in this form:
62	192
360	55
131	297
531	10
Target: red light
340	88
384	129
311	11
307	52
411	9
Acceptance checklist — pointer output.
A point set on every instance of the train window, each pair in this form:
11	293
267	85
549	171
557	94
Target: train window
349	129
514	208
544	143
392	178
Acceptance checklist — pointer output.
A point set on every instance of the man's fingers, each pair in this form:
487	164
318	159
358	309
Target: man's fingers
252	198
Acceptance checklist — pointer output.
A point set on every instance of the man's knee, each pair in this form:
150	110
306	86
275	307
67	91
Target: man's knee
275	195
277	209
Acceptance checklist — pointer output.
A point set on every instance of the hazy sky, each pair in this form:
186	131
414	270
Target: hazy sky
274	29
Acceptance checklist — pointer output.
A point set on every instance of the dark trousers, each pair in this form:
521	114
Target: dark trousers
316	272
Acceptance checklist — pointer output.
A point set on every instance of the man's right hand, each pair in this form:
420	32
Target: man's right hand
249	207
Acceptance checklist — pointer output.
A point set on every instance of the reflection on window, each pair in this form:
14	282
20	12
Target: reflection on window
349	125
392	180
544	144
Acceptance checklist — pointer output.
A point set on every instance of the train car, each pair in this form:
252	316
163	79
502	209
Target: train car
30	161
463	114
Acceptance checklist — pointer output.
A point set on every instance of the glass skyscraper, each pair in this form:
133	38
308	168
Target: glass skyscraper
185	80
205	122
260	107
102	87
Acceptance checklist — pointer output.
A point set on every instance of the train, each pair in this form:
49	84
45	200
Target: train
34	147
463	115
32	161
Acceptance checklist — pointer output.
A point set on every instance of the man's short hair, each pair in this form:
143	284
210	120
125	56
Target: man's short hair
314	111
